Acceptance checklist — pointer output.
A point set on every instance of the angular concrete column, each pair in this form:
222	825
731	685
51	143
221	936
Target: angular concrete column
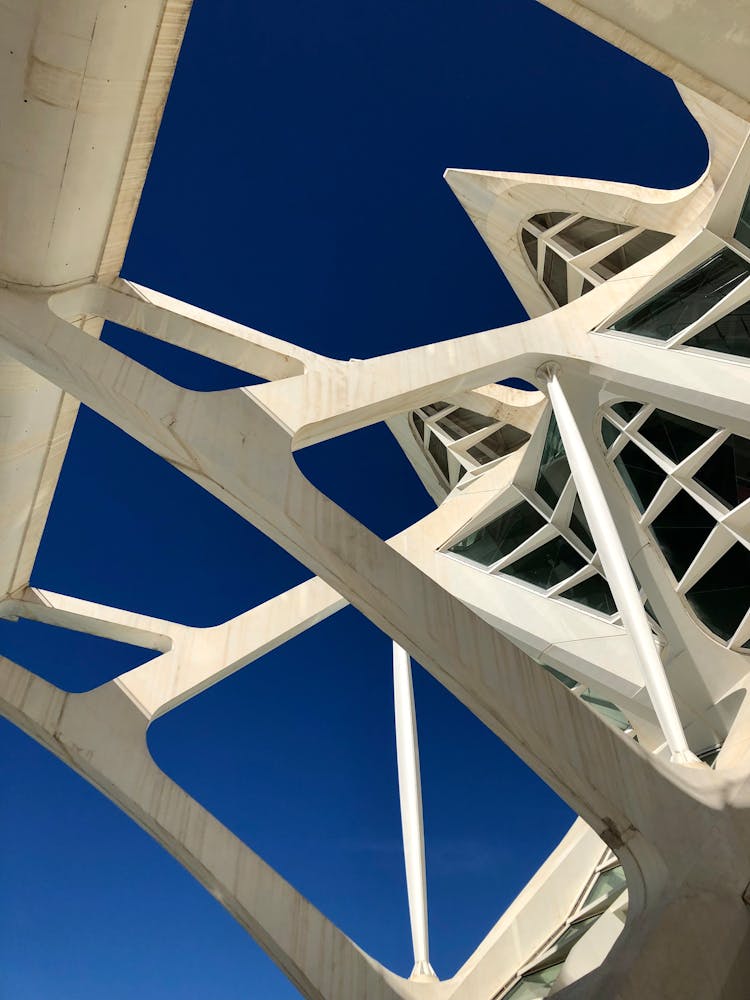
412	825
617	569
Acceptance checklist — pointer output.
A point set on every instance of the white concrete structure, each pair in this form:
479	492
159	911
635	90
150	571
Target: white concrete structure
640	309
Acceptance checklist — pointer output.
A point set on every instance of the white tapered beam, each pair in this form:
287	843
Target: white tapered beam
617	569
412	825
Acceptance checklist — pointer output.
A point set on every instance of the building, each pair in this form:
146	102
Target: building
583	584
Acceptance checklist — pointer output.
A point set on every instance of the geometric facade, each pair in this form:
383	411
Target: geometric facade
582	586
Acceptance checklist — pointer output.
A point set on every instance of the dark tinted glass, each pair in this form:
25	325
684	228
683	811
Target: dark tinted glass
593	593
548	565
587	286
681	529
634	250
546	220
440	454
553	469
432	408
676	437
461	422
721	597
726	474
588	233
418	426
626	410
530	246
641	476
609	433
742	232
730	334
500	442
580	525
501	536
555	276
685	301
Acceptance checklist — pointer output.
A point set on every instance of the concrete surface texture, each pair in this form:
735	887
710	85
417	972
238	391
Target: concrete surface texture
582	584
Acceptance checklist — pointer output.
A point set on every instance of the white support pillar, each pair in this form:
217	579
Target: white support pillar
412	826
617	569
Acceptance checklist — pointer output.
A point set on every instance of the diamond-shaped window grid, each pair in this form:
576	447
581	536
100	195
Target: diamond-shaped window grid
641	475
686	300
726	474
501	536
728	335
681	529
675	437
547	565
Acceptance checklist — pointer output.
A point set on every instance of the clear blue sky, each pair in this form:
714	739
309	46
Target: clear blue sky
296	186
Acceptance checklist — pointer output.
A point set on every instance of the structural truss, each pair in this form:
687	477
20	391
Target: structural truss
583	585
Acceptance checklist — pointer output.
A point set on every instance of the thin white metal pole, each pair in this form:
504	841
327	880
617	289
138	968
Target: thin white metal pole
412	825
617	569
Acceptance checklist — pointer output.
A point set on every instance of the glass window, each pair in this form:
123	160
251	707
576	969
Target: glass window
606	708
580	525
567	681
418	427
729	335
722	596
535	985
461	422
687	299
593	593
546	220
609	433
574	933
555	276
641	476
554	470
675	437
587	286
548	565
742	232
588	233
607	885
432	408
501	536
681	529
726	474
634	250
440	454
626	409
501	442
531	247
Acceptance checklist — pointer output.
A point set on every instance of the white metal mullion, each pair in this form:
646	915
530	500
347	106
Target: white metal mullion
715	546
737	297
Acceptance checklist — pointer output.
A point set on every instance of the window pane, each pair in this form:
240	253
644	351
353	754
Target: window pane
546	220
567	681
681	529
633	251
501	442
531	247
574	933
607	884
722	596
726	474
461	422
592	593
501	536
742	232
440	454
432	408
587	286
580	525
730	334
675	437
555	276
685	301
548	565
606	708
554	470
588	233
535	985
641	476
626	409
609	433
418	426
